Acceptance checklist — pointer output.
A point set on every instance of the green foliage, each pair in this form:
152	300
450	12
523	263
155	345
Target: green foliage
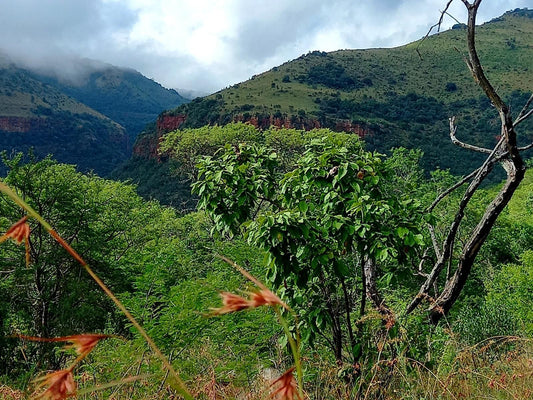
161	266
477	323
157	180
317	221
510	290
332	75
185	146
124	95
107	223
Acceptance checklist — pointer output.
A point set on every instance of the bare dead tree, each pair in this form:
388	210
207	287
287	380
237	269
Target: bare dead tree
506	153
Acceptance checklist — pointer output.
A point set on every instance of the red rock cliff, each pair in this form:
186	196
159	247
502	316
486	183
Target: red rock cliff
147	145
18	124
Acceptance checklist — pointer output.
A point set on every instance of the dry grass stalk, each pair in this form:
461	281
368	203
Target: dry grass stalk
234	303
60	385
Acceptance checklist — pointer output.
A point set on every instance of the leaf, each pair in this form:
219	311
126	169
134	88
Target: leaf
402	231
337	225
386	279
357	350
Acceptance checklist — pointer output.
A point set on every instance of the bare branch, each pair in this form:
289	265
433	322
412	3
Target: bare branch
480	174
529	146
457	142
420	268
437	25
434	241
524	114
441	196
490	158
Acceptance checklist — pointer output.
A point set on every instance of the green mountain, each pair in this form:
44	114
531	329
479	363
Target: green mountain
90	121
391	97
36	115
124	95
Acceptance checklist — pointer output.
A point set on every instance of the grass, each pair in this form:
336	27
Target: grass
498	368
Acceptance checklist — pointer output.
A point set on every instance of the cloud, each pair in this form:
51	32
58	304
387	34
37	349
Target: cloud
210	44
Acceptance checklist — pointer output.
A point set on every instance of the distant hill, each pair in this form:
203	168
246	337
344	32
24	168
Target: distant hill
91	122
124	95
392	97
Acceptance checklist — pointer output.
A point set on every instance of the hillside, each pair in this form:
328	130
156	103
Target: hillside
91	121
124	95
36	115
400	96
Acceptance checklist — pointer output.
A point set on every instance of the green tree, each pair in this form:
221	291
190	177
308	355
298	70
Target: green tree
105	221
326	224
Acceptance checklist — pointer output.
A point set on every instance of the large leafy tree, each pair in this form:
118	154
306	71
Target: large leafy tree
327	223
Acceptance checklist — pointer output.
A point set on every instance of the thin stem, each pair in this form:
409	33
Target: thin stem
295	349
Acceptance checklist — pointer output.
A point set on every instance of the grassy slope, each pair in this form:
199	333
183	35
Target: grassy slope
21	96
504	46
124	95
402	94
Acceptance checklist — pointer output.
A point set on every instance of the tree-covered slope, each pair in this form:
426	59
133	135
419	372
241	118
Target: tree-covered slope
89	118
124	95
391	97
35	115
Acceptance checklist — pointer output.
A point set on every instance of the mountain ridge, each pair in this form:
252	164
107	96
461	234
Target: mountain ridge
91	123
401	96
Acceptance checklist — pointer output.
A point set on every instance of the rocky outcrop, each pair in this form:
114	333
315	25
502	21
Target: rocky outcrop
19	124
348	126
168	123
147	144
267	121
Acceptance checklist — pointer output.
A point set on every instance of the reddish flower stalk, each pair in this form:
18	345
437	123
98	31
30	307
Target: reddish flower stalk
19	232
233	302
285	387
60	385
83	344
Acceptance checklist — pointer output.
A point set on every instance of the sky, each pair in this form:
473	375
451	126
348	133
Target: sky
207	45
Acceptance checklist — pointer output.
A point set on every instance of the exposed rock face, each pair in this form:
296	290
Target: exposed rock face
147	145
168	123
348	126
18	124
266	121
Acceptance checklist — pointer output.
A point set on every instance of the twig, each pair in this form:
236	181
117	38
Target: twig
524	114
457	142
437	25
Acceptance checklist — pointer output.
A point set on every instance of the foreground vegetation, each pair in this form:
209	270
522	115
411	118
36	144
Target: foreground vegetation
343	273
164	268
